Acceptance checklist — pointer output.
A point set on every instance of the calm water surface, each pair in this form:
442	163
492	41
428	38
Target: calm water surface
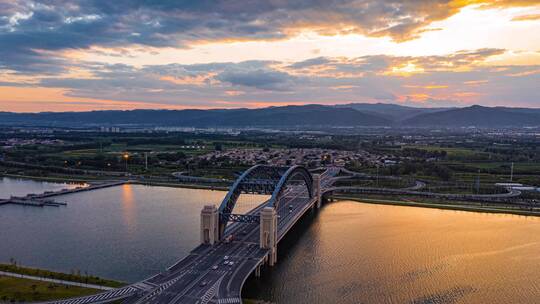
349	252
361	253
126	233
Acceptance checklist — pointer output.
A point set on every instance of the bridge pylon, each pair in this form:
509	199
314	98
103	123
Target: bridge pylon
209	225
317	189
268	233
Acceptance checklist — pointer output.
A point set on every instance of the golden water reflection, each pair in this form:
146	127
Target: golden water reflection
128	207
365	253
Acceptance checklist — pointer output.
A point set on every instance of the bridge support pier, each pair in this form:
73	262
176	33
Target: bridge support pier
258	271
317	189
209	225
268	233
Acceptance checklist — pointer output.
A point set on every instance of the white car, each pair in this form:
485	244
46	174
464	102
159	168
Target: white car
215	267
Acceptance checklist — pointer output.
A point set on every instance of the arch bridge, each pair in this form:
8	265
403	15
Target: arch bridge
234	243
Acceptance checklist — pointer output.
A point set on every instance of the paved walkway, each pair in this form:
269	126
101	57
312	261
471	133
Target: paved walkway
71	283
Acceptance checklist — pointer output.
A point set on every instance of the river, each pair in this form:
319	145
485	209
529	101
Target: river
349	252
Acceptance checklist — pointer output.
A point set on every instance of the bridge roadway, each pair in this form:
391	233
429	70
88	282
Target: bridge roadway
196	279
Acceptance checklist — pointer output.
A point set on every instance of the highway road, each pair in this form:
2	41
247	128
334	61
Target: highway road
216	274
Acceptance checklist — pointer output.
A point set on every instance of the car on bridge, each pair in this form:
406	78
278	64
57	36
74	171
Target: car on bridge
229	238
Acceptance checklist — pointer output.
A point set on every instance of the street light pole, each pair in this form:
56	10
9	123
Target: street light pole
478	182
126	157
512	172
377	175
146	161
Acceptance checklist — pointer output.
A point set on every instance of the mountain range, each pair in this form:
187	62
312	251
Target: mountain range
345	115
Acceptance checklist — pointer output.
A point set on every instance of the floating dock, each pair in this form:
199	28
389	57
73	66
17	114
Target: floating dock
32	202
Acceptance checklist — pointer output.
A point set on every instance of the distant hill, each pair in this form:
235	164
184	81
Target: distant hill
312	115
308	115
291	116
389	110
478	116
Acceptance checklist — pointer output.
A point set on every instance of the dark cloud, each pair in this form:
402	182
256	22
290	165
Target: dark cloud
27	26
261	78
310	63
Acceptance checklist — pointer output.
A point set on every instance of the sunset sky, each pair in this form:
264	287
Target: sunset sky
125	54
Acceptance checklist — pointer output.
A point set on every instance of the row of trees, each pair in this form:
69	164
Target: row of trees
419	168
421	153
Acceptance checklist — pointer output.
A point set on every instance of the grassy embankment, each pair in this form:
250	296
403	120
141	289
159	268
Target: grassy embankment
80	278
14	290
448	205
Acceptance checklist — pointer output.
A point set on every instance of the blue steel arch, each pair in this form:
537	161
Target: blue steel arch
227	205
257	179
292	172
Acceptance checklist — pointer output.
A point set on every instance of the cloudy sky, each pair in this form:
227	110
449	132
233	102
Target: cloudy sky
123	54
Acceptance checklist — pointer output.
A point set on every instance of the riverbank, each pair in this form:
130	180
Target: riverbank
48	178
446	206
179	185
139	182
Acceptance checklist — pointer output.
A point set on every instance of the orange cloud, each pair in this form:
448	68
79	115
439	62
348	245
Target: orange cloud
466	95
419	97
343	87
526	73
527	17
234	93
427	87
425	13
475	82
406	69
